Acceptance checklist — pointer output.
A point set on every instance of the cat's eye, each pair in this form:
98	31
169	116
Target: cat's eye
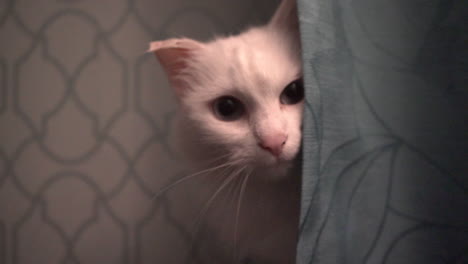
293	93
228	108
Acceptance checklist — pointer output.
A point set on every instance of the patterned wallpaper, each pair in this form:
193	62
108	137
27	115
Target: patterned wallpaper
86	126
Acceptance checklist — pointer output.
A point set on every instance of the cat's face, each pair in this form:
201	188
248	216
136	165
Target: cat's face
241	97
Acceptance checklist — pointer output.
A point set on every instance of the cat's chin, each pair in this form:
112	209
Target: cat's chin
275	171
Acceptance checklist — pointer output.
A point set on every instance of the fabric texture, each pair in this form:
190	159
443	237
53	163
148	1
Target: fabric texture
385	135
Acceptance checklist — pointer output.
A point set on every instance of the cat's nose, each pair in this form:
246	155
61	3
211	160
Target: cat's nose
273	143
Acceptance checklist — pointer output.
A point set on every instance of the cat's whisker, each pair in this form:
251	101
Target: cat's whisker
207	205
185	178
219	159
234	189
223	185
239	202
221	156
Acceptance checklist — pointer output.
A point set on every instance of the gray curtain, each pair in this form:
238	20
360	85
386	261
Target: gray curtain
385	173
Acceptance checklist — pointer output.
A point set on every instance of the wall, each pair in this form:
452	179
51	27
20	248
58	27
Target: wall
85	126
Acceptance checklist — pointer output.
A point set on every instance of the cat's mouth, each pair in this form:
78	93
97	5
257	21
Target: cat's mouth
275	161
283	164
276	170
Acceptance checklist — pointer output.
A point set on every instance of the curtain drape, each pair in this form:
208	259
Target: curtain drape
385	132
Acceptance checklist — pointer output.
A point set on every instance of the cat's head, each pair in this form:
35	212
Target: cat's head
241	97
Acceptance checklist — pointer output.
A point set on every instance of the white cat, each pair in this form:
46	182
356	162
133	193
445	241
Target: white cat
241	102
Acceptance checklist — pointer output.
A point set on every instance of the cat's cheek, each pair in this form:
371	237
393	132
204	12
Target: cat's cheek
291	150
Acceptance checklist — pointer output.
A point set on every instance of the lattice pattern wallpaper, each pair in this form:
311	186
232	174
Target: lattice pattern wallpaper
85	126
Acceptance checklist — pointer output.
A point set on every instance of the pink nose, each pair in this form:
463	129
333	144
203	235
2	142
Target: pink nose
273	143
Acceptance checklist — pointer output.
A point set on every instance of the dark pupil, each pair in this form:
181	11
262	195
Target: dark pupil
293	93
228	108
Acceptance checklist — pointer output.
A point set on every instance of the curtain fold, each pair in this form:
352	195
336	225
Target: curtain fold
385	132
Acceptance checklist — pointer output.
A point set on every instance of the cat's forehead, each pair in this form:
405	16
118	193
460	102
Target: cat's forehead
257	62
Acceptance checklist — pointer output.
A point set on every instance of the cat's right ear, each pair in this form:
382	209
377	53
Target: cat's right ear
174	55
285	17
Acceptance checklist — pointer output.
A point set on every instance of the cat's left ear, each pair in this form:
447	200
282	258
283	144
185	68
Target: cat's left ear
285	17
174	56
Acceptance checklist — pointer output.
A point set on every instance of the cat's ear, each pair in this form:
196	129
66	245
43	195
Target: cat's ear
174	55
285	17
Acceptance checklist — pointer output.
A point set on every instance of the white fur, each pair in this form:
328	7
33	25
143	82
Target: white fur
254	67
